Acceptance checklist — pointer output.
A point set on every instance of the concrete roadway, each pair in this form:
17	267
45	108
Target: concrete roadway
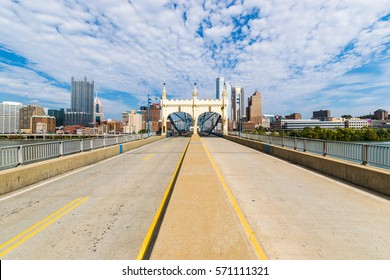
105	209
299	214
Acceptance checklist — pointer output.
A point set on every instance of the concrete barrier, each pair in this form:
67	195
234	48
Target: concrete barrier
25	175
368	177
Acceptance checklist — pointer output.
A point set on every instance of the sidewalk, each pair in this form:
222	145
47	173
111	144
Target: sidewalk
200	222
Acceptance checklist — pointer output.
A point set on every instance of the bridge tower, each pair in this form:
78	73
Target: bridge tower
194	107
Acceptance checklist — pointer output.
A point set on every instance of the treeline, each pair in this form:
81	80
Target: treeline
342	134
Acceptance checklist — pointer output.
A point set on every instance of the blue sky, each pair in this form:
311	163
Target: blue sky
302	55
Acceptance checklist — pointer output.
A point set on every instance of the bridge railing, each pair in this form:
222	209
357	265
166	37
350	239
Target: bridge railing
12	156
376	155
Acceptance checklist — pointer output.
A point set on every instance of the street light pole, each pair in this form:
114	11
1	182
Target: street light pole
148	116
239	115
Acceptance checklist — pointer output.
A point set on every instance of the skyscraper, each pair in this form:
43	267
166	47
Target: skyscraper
9	116
59	115
238	103
254	109
82	101
219	87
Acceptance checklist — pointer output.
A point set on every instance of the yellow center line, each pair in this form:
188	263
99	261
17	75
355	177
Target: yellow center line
149	235
41	225
249	231
148	157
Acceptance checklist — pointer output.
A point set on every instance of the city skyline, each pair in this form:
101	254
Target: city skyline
302	56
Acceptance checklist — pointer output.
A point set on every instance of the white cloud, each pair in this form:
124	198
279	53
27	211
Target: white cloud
289	54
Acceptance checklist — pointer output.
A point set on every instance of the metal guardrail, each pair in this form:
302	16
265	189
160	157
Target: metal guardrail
12	156
375	155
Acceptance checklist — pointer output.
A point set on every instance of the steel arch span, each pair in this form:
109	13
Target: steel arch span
194	107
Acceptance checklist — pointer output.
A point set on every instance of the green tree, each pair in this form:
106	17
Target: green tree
370	134
383	134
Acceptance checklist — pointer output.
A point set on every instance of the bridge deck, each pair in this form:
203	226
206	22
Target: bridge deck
104	211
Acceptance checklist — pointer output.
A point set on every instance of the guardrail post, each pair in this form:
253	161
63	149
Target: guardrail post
295	143
116	140
104	141
304	145
20	154
365	154
61	148
325	148
92	143
82	145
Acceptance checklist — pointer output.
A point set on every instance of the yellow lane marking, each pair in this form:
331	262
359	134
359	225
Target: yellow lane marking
24	236
148	157
148	238
249	231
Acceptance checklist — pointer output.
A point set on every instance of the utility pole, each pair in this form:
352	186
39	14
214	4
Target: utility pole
239	115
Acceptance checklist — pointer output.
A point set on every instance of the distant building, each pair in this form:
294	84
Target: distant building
294	116
238	103
113	127
356	123
125	117
72	129
98	111
43	124
72	118
59	115
381	114
322	115
26	113
154	111
90	130
82	101
248	126
284	124
132	121
266	122
9	116
254	110
155	117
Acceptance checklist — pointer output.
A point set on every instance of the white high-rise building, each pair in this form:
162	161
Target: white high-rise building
238	103
9	116
219	87
98	111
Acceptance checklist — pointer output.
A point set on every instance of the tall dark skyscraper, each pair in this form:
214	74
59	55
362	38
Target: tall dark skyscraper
59	115
82	101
